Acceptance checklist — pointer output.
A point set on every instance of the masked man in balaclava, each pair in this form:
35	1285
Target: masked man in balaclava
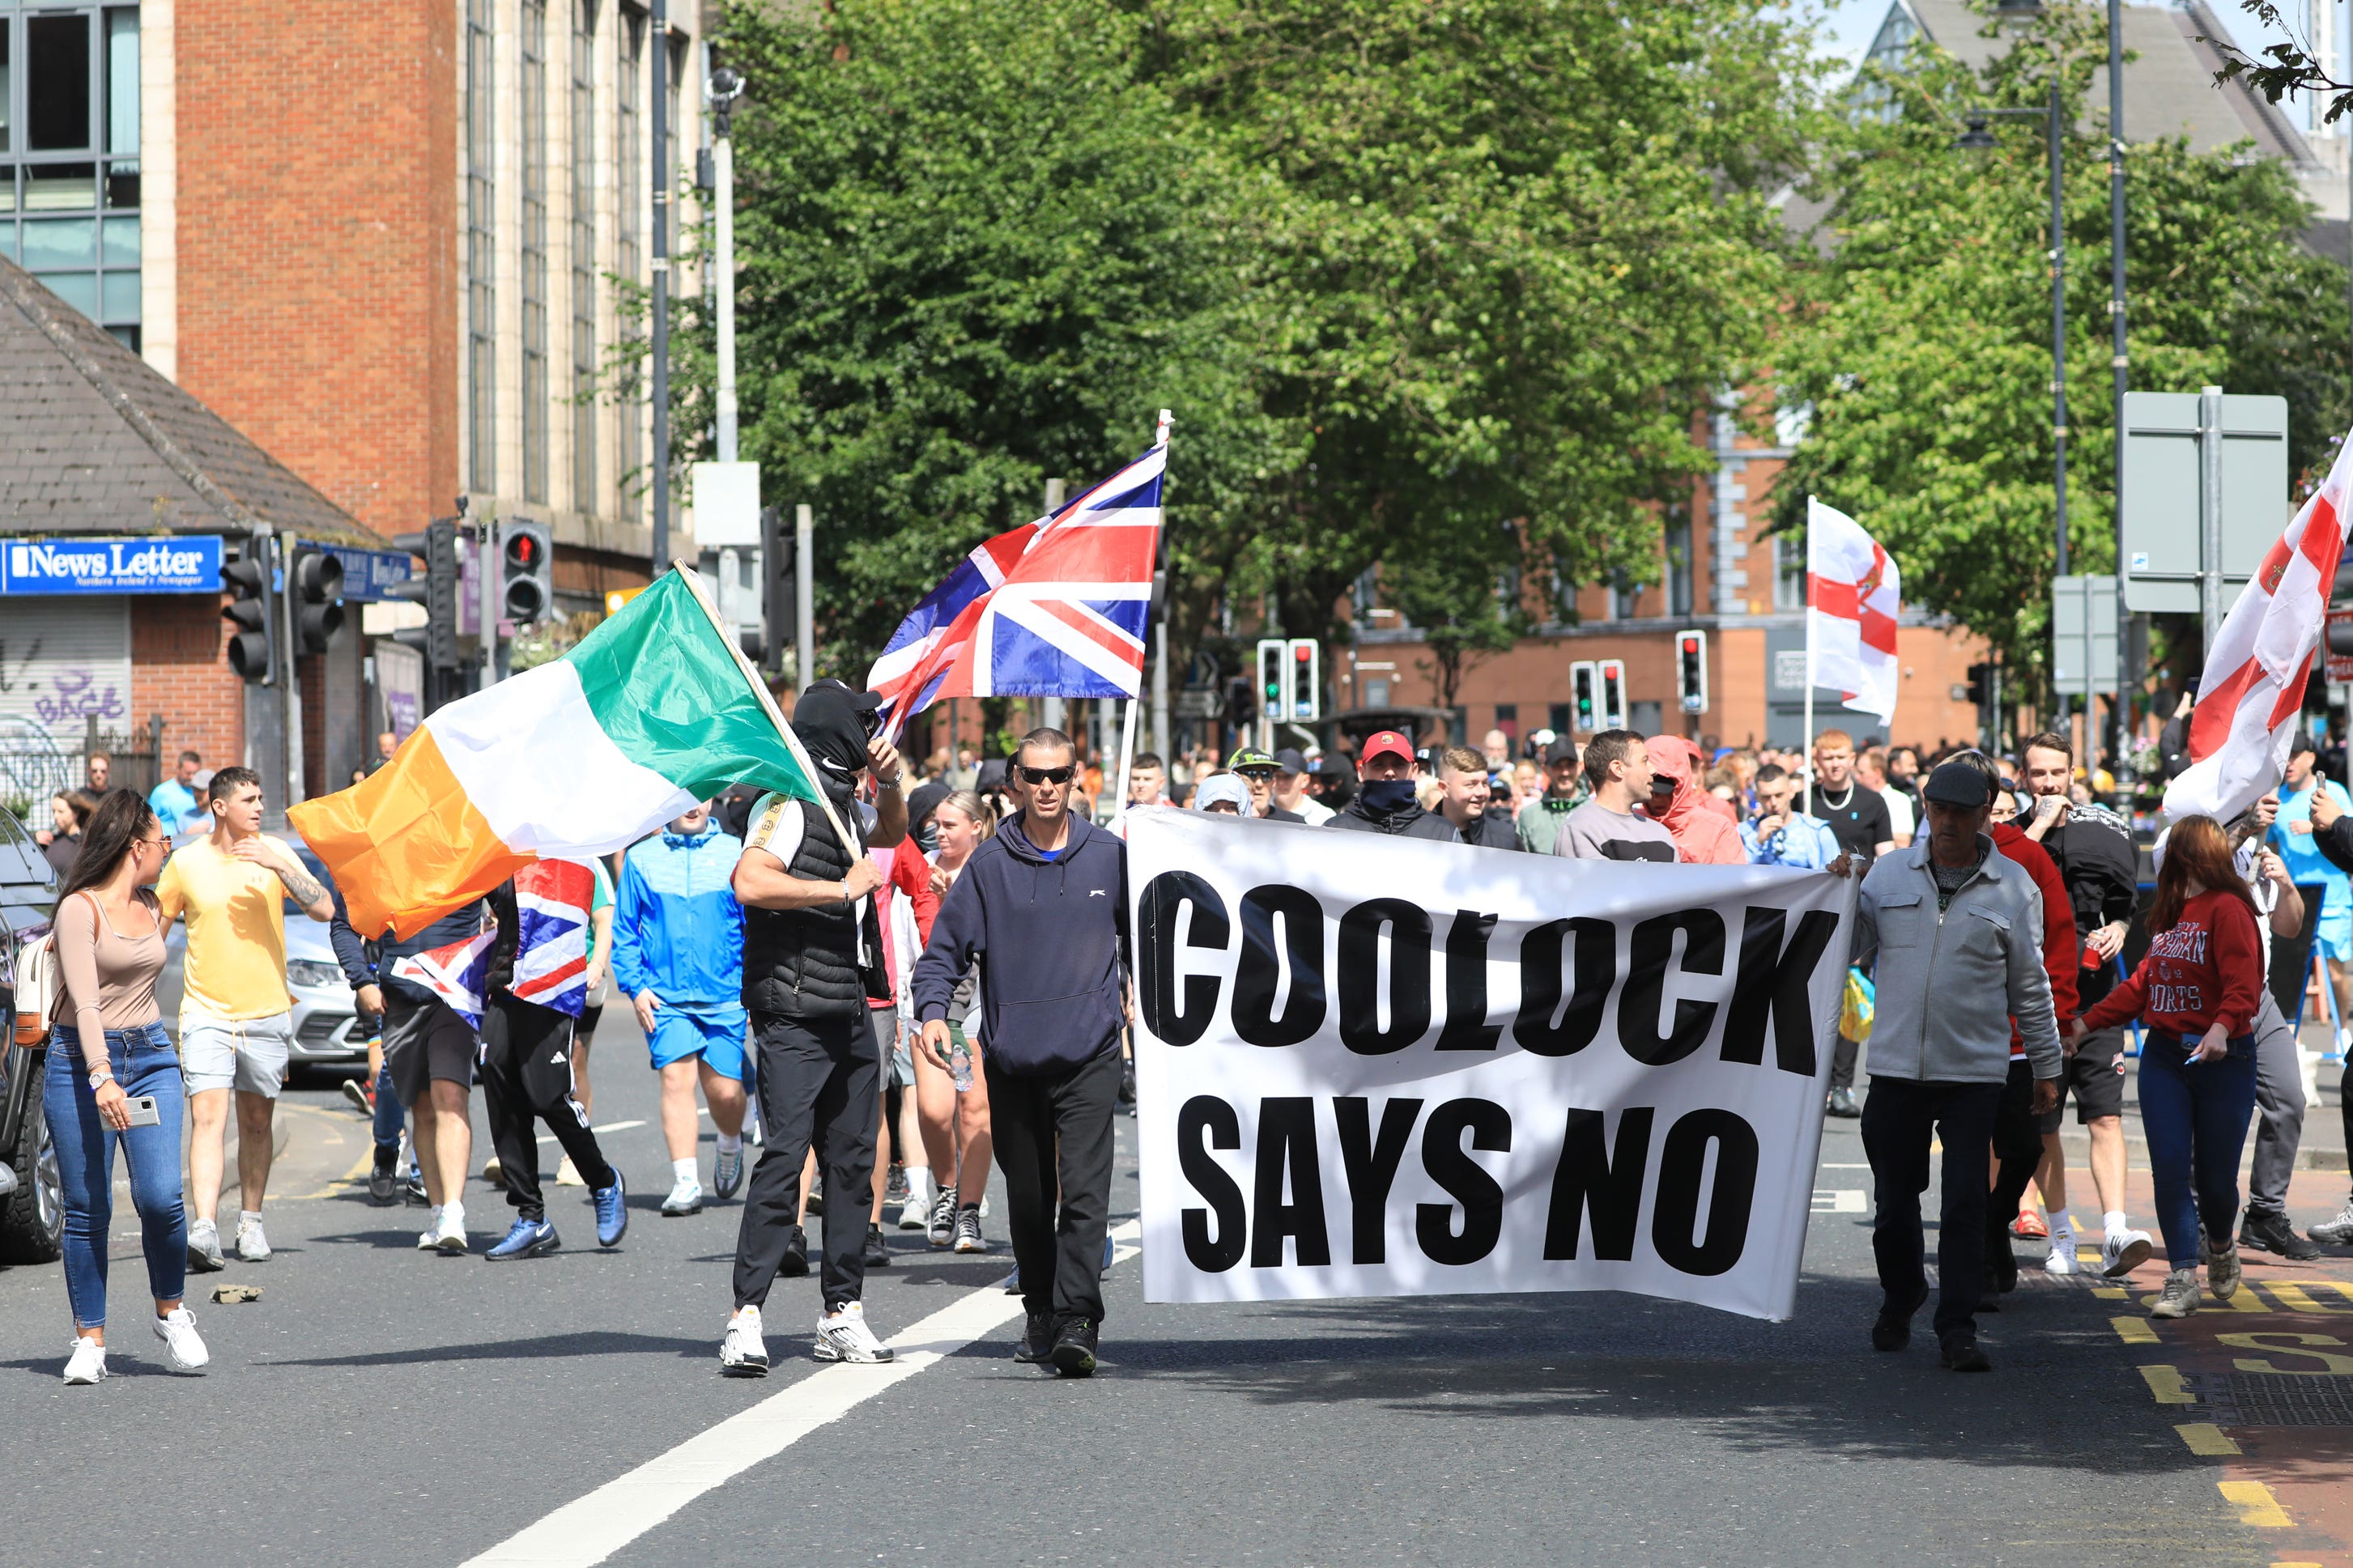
812	958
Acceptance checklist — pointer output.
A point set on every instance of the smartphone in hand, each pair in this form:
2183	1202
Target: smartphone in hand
143	1111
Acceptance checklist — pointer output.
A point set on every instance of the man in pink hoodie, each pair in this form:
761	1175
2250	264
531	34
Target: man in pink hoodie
1702	831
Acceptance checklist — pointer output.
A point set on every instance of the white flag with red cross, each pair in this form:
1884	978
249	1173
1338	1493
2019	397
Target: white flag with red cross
1852	592
2253	693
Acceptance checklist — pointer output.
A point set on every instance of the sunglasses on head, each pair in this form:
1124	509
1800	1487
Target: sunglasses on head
1060	775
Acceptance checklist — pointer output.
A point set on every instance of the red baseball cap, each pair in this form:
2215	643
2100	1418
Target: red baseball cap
1387	742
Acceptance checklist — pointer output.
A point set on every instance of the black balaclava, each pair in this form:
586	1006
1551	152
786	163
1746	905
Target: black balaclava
828	721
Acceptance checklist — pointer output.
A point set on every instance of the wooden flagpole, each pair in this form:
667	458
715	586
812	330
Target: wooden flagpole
768	703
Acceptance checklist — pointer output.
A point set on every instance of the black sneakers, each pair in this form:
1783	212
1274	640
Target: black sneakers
1074	1349
878	1249
384	1181
796	1263
1842	1105
1893	1329
1959	1351
2272	1233
1036	1340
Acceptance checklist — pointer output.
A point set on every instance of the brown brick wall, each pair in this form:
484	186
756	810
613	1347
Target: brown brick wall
179	667
318	300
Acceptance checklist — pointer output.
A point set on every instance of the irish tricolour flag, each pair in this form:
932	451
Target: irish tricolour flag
651	712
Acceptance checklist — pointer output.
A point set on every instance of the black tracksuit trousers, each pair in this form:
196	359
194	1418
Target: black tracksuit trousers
526	1072
1056	1128
820	1080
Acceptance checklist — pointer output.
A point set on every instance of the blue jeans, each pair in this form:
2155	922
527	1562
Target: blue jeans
2195	1118
145	1063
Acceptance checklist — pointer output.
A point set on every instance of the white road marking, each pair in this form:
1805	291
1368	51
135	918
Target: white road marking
591	1528
1839	1200
609	1126
1834	1165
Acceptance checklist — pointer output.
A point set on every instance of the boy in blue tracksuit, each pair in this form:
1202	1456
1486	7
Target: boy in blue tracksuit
678	955
1041	908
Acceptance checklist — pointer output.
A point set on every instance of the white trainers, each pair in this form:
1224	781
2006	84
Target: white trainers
450	1229
251	1244
2121	1252
685	1198
88	1363
2061	1260
204	1247
182	1346
844	1336
2179	1297
742	1353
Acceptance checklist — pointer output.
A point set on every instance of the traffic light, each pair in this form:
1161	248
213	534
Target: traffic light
252	645
436	590
526	572
1612	673
1981	684
1584	692
779	603
1275	678
1690	671
315	580
1306	679
1241	703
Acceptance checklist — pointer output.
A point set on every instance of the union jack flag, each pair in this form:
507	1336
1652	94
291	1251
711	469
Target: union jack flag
1054	608
551	965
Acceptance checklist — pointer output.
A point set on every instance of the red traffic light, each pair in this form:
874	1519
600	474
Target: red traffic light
1302	654
523	550
1691	645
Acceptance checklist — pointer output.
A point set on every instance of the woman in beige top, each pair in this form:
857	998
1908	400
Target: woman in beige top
114	1080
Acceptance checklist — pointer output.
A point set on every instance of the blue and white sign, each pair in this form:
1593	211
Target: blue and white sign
178	563
368	573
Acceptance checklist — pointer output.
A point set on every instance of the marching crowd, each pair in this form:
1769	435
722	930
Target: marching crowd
940	969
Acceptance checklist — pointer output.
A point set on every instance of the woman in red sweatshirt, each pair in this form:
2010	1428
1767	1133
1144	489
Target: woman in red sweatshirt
2196	995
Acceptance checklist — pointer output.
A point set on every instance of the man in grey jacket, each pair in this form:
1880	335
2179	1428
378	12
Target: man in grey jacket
1957	932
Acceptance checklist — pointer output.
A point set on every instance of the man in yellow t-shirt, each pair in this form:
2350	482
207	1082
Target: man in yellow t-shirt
235	1017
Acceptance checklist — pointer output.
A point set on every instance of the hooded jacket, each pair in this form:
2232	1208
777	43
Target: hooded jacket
1050	938
1704	835
1407	821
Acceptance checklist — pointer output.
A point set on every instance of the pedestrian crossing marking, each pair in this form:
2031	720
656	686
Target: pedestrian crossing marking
2298	1298
2255	1503
2133	1330
2206	1440
2164	1383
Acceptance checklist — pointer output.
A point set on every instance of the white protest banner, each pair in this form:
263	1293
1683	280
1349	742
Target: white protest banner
1386	1067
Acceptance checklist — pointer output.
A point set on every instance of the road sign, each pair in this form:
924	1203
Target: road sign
2082	636
2340	665
2171	439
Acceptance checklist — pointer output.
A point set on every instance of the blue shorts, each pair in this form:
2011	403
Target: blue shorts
2333	937
716	1036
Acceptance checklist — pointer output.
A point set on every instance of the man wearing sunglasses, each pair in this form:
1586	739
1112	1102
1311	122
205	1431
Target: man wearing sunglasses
1042	909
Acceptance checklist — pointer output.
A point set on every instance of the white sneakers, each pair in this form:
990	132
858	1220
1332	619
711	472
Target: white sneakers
2061	1260
251	1244
87	1364
204	1247
844	1336
182	1346
744	1353
2121	1252
184	1350
448	1231
685	1197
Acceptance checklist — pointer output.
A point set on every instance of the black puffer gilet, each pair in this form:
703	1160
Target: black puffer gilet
802	963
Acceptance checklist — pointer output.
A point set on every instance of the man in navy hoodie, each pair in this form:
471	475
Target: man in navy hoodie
1042	908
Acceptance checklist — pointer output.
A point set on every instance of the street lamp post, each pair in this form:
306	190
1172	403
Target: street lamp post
661	301
725	87
1976	138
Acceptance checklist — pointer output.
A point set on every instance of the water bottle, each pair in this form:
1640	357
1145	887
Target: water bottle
960	1064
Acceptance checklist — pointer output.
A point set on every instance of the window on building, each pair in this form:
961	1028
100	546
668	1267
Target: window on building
481	358
534	250
1788	574
1679	564
70	156
583	257
629	259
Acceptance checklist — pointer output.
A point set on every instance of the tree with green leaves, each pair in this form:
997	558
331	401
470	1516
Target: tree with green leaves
1922	340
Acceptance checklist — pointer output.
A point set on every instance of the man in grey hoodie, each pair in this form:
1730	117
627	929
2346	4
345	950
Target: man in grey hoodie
1043	910
1955	928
